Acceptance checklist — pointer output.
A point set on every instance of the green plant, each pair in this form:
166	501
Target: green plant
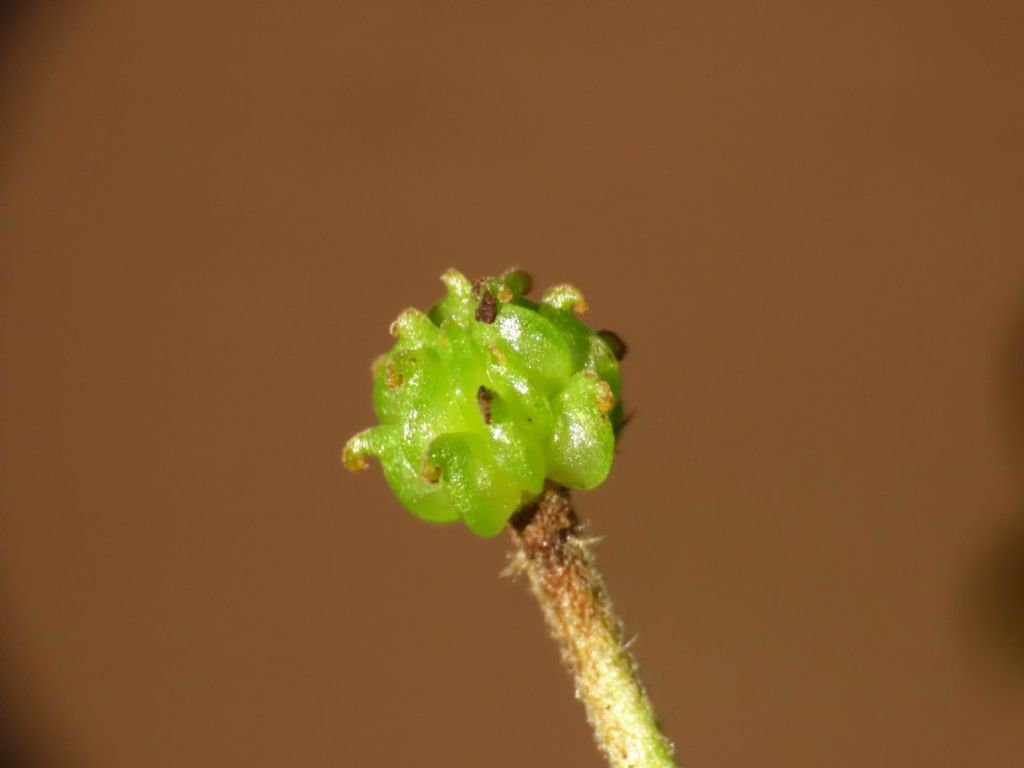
492	406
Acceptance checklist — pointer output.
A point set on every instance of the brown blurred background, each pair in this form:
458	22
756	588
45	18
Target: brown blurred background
806	221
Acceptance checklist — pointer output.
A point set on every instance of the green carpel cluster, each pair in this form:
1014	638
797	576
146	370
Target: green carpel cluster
488	396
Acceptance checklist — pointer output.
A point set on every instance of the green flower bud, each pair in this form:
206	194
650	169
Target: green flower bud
488	396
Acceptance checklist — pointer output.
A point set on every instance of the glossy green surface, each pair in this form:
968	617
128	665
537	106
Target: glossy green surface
489	395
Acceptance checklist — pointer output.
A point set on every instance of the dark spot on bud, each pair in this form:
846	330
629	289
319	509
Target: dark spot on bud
617	345
488	309
392	377
430	472
483	399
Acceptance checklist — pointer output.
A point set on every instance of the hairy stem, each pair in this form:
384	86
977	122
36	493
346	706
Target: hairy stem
549	548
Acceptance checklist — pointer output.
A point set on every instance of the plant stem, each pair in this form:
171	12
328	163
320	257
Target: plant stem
563	576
